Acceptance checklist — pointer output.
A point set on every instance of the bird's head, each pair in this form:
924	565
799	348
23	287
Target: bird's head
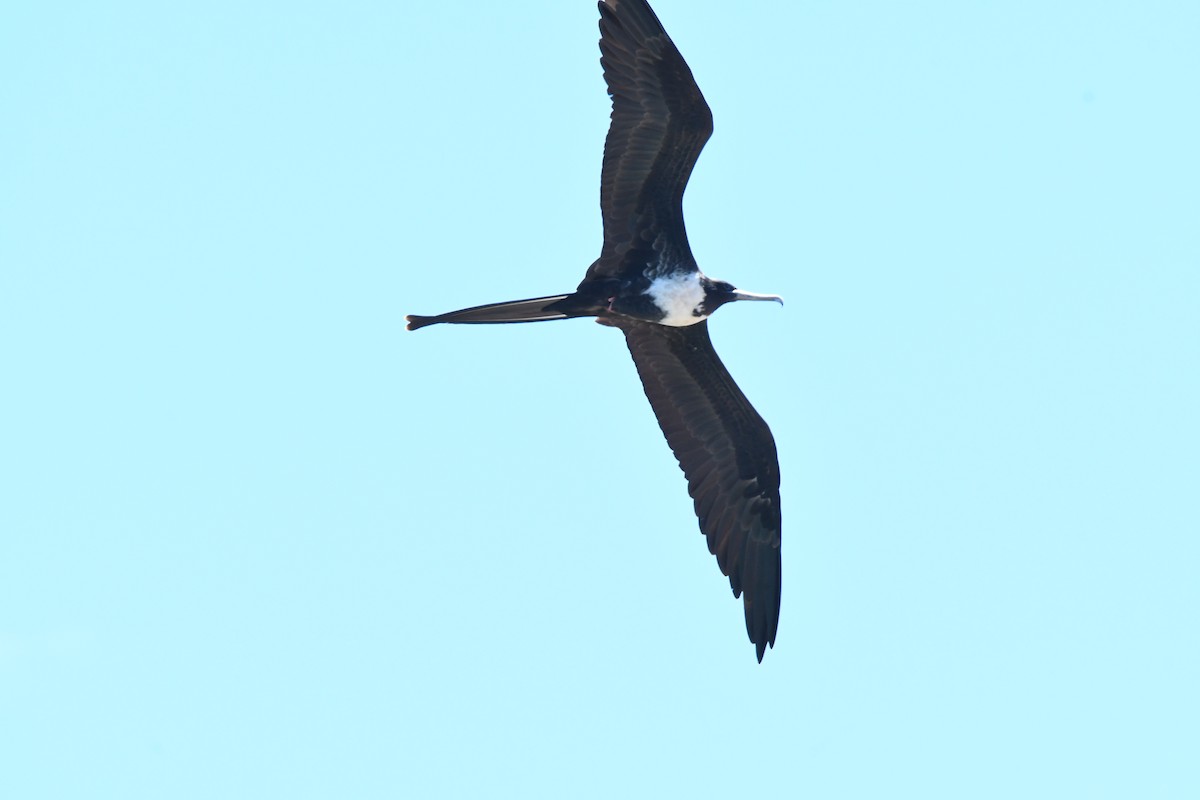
718	293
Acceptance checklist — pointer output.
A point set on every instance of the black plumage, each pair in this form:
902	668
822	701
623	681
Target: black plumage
647	284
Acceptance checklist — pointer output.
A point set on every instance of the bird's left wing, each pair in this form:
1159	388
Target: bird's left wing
728	455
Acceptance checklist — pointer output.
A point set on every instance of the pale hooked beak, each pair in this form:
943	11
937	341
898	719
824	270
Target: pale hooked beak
740	295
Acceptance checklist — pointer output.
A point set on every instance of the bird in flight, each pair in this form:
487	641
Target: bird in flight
646	284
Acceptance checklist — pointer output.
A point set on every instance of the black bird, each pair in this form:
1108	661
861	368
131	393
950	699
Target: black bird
647	284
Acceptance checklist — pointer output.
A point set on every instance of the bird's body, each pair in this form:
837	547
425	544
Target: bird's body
647	284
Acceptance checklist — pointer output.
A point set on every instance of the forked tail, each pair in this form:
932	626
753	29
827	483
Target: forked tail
533	310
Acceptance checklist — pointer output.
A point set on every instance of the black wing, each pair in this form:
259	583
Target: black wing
660	123
728	455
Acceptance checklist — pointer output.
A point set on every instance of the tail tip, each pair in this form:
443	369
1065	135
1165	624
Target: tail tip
416	321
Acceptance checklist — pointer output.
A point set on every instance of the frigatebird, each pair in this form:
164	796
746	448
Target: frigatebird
646	283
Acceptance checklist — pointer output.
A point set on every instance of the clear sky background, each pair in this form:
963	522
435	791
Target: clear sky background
258	541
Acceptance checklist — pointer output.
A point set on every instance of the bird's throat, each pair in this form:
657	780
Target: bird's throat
680	298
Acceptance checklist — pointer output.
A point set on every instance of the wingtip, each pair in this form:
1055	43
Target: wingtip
760	648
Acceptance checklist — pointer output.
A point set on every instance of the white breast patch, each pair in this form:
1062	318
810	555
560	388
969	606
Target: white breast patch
679	295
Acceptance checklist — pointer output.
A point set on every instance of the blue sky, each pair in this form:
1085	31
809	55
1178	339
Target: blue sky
259	541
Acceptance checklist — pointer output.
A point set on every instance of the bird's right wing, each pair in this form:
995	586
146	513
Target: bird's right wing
728	455
659	125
